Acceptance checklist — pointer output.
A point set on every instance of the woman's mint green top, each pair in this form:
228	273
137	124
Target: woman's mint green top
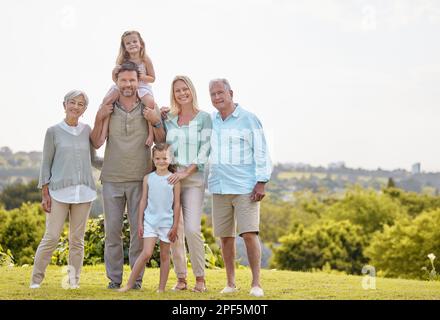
191	143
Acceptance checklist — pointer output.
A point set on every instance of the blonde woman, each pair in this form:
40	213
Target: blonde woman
189	133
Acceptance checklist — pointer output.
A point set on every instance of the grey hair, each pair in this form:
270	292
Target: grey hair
75	93
222	80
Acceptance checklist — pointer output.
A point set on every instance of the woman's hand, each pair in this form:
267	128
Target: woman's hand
176	177
141	230
46	201
172	234
164	112
105	110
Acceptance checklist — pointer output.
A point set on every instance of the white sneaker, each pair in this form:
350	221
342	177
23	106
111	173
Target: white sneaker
74	286
256	292
229	289
34	286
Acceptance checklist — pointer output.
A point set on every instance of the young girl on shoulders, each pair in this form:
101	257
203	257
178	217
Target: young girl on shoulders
132	49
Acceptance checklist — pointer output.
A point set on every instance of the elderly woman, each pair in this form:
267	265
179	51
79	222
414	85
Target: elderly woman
189	133
68	187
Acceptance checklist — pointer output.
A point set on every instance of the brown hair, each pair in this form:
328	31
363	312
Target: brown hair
162	147
128	66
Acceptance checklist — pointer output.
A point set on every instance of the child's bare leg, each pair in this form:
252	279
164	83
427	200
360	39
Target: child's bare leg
150	138
164	265
104	132
148	101
111	96
139	265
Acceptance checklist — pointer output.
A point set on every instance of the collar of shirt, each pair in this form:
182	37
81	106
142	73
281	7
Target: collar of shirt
235	113
175	118
76	131
137	104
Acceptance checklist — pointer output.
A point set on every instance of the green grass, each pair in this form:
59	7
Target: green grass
280	285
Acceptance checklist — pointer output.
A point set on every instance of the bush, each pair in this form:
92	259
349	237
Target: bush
21	230
366	208
336	244
414	203
213	256
275	217
14	195
6	258
278	218
402	250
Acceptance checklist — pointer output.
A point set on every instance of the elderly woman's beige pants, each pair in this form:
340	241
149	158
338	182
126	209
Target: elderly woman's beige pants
78	215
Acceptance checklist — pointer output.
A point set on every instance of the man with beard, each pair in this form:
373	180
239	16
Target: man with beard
126	161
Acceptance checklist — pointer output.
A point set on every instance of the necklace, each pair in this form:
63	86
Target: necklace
71	123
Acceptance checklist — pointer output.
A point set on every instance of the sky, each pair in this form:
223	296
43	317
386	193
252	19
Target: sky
331	80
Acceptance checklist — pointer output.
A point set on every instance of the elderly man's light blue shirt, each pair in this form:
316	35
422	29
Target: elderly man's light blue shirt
239	156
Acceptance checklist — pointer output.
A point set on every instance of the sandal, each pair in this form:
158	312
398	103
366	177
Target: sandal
200	286
180	285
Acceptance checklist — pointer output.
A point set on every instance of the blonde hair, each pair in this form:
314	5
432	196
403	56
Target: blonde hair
123	54
175	107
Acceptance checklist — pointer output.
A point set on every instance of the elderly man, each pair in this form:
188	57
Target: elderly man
240	167
126	161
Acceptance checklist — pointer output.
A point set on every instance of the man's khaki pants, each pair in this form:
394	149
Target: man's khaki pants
116	196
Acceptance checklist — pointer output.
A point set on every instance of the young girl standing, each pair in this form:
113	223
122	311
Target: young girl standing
132	49
159	211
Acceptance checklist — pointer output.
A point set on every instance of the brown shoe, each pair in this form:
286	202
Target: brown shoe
180	285
200	286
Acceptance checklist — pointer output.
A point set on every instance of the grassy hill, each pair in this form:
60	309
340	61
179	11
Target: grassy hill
279	285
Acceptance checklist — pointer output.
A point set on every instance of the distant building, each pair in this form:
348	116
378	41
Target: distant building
416	168
300	165
336	165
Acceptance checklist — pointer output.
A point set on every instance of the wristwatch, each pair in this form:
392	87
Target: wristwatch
157	125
